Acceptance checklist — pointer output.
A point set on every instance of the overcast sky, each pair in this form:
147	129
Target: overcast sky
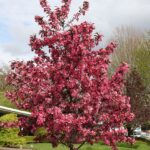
17	21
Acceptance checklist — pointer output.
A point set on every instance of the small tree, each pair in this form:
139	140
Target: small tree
140	102
67	89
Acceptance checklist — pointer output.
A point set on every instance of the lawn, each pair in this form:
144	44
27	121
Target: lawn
140	145
4	101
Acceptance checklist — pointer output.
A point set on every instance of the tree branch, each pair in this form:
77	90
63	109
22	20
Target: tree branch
81	145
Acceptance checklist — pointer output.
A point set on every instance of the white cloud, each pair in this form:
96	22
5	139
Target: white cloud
5	57
18	16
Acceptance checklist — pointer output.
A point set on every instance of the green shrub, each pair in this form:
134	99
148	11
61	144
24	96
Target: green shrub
40	135
9	135
40	132
9	118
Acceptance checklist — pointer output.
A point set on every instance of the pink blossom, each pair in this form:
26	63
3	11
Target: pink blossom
68	89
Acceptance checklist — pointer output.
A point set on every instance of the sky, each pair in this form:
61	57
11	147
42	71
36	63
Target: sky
17	21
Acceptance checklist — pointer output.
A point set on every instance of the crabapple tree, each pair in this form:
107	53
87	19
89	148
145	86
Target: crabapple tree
67	87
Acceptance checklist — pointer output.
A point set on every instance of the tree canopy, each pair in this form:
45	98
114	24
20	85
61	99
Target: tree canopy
68	89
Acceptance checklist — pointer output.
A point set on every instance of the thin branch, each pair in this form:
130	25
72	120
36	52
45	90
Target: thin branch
64	144
81	145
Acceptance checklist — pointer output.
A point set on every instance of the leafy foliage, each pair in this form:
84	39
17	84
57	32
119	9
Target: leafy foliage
140	102
9	131
134	48
142	63
40	132
9	138
8	118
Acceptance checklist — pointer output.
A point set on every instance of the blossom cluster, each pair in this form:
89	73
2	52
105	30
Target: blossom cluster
68	88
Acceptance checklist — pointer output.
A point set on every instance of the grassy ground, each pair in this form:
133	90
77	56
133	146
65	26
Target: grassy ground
4	101
138	146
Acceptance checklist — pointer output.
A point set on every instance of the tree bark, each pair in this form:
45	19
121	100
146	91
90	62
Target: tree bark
130	131
71	147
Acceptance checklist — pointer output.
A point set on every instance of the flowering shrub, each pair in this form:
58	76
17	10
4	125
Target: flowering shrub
67	89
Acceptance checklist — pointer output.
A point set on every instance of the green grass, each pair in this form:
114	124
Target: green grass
138	146
4	101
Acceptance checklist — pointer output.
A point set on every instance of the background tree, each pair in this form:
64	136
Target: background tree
134	48
140	103
129	40
142	60
4	87
3	84
68	89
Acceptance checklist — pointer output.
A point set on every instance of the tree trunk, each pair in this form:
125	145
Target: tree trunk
130	131
71	147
